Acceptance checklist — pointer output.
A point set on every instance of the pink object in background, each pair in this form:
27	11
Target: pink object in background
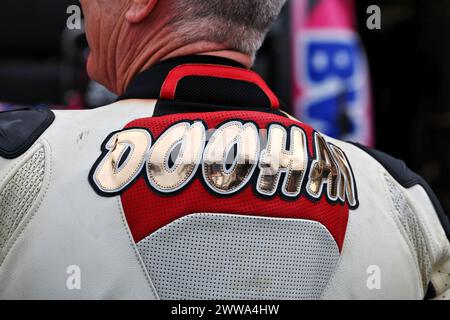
331	85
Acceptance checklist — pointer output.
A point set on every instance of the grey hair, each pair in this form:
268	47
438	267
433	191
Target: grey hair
240	24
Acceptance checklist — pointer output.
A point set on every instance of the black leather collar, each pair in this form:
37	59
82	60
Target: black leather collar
203	82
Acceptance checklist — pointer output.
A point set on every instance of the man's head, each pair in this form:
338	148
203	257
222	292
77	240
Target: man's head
240	24
127	36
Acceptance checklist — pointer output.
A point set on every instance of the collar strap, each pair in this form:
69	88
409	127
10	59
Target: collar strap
169	87
203	79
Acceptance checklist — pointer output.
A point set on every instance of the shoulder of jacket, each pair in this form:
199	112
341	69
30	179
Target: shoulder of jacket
407	178
20	129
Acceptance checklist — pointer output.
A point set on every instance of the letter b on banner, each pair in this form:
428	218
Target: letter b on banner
328	59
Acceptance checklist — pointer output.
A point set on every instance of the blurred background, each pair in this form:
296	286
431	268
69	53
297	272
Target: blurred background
387	87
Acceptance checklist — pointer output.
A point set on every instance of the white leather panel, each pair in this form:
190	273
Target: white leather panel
376	262
74	226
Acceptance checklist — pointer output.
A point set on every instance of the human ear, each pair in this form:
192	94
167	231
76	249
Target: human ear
139	10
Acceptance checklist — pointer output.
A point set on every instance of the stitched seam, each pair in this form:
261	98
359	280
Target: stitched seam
182	151
268	150
135	250
118	168
217	133
104	162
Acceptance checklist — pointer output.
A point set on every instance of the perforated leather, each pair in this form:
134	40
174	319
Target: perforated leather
19	195
408	222
219	256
